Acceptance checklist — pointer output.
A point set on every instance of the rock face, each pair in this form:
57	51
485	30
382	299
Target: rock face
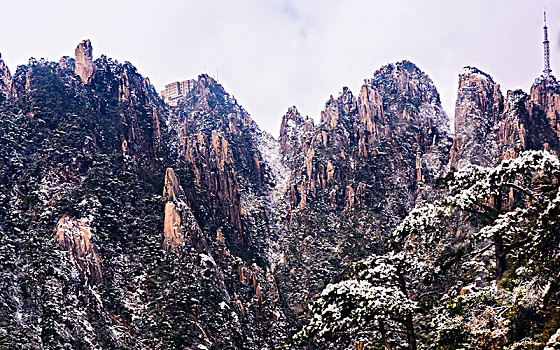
545	101
85	68
545	93
179	221
74	236
478	110
489	128
172	229
220	141
5	79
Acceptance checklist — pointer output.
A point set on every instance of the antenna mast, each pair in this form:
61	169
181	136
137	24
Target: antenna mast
546	43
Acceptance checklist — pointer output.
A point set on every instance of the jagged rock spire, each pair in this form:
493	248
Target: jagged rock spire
85	67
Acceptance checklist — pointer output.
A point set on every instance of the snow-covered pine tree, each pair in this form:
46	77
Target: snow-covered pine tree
373	306
476	269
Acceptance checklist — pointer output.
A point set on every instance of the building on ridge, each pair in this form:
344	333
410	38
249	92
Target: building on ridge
177	91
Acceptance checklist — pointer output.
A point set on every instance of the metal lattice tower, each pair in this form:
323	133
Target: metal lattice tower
546	43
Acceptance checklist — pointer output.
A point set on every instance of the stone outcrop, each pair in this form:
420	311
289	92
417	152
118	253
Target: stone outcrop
84	66
172	229
478	110
74	236
295	131
180	225
296	135
5	79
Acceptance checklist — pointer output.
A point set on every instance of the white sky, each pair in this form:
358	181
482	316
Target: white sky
272	54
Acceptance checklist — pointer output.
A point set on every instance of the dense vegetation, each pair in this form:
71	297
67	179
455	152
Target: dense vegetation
477	269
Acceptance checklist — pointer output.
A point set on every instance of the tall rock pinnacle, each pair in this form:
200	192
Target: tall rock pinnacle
478	110
5	78
84	64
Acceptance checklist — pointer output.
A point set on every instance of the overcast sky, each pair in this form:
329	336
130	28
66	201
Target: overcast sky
272	54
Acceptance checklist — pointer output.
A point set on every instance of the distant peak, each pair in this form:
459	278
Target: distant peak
546	79
469	70
404	77
399	66
292	111
395	70
294	115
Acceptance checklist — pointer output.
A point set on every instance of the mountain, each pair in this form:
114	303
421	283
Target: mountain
127	223
358	173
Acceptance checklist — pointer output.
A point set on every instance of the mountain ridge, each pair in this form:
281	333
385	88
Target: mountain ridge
190	226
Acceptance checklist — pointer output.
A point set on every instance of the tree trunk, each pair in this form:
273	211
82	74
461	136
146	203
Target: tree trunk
384	334
500	253
499	249
410	336
408	323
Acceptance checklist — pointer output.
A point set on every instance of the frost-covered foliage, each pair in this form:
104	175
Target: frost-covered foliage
477	269
374	304
510	209
496	238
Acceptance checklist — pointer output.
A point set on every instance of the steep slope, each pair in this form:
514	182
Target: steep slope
75	203
357	174
230	181
5	80
478	111
89	261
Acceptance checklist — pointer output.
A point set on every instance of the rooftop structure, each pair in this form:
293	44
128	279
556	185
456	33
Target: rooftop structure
177	91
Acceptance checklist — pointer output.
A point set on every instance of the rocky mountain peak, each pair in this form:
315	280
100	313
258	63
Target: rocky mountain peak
343	105
293	119
405	80
477	90
478	109
295	130
85	68
474	72
545	92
